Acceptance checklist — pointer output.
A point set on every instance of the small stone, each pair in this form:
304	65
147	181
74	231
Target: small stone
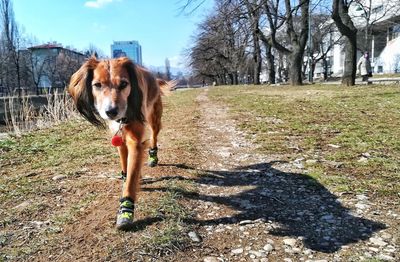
333	146
386	236
362	197
367	255
385	257
256	253
268	247
290	242
270	241
297	163
373	249
246	222
59	177
377	241
361	206
237	251
287	260
194	237
288	250
366	155
210	259
334	163
37	223
296	250
23	205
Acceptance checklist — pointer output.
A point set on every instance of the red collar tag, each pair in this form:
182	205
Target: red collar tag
117	140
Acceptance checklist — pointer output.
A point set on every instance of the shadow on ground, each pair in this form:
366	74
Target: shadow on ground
297	203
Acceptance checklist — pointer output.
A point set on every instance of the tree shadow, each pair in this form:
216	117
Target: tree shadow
297	203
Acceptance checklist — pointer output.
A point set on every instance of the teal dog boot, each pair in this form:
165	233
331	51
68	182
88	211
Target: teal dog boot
125	214
153	159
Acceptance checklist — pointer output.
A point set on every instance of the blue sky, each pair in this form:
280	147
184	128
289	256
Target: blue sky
156	24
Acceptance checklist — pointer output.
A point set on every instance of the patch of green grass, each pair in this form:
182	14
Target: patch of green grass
303	121
62	149
171	232
63	145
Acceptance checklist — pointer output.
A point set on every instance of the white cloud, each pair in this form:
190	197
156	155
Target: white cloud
97	3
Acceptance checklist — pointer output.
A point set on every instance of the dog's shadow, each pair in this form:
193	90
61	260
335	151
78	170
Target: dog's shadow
142	224
297	205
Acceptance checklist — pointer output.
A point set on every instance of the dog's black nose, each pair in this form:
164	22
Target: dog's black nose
112	112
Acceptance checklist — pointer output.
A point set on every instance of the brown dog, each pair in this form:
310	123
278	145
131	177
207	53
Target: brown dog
124	96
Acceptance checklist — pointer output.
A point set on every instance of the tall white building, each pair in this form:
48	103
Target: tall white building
130	49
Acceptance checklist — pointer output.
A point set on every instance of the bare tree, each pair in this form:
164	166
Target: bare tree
254	14
294	18
93	50
340	14
322	41
11	41
219	50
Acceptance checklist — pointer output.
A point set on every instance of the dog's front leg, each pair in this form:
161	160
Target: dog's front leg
134	134
123	158
134	150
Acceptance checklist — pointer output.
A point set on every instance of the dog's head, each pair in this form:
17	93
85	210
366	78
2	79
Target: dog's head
107	89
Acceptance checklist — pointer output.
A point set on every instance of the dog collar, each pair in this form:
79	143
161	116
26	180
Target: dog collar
123	120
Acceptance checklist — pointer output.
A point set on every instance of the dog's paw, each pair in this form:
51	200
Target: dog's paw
125	214
153	159
152	162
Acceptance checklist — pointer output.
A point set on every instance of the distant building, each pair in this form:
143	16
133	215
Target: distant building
382	40
130	49
54	64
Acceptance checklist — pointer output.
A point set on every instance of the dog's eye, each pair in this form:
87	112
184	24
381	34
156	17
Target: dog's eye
123	84
97	85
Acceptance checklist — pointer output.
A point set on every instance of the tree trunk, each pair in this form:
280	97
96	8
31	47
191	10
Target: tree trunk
270	63
297	36
256	57
325	66
346	27
350	67
257	64
296	62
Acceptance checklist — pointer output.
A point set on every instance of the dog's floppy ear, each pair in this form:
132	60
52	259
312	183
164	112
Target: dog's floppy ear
80	88
135	98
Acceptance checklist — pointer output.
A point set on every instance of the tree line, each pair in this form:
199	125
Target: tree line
240	38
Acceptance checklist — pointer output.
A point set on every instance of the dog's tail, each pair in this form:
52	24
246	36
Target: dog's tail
166	87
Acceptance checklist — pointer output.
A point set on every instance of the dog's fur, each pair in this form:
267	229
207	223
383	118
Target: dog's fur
130	92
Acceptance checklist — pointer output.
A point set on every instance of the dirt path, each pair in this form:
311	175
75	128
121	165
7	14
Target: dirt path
261	208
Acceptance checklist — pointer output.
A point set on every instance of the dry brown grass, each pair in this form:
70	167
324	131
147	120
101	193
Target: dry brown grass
22	116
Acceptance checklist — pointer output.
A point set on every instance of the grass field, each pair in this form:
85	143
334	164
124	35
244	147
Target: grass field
58	193
347	137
